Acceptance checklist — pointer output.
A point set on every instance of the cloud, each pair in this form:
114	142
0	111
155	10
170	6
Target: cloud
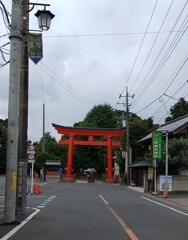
89	55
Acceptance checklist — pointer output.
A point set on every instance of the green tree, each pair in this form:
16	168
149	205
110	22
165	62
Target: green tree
53	151
177	158
100	116
179	109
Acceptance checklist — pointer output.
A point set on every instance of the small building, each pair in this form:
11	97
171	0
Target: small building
177	128
138	170
53	170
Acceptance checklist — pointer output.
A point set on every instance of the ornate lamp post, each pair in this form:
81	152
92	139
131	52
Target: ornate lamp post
18	104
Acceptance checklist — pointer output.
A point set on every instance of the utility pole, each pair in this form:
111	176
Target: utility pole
23	116
13	113
127	136
127	159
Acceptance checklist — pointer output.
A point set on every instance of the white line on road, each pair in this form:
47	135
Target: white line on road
13	231
165	206
42	205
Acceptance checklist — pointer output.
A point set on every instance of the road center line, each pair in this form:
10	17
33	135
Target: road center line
163	205
119	219
14	230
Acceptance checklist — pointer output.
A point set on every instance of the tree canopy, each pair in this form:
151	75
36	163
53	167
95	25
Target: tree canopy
178	109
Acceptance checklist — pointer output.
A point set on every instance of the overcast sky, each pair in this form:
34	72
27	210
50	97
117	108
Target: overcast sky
94	50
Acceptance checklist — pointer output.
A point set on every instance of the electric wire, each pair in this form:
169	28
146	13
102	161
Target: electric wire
162	48
145	87
173	76
170	98
107	34
140	47
153	44
5	15
149	104
156	73
69	89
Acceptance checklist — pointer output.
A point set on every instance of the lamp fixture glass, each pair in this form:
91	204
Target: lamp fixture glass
44	19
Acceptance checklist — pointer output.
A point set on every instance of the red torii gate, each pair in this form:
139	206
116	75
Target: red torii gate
90	132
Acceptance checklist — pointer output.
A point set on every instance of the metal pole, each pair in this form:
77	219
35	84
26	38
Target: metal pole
166	167
43	132
32	172
155	177
13	113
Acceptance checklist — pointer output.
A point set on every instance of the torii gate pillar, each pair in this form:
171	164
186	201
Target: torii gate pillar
70	155
110	177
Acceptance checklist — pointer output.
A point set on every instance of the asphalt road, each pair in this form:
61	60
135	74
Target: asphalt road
98	211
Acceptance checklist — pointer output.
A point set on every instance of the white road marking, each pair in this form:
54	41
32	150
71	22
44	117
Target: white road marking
13	231
42	205
173	209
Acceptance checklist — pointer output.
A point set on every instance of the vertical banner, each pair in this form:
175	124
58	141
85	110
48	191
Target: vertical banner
35	47
157	145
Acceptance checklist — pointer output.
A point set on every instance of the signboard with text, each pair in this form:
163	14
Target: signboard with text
157	145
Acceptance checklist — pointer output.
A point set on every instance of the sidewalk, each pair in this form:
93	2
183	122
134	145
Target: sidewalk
179	199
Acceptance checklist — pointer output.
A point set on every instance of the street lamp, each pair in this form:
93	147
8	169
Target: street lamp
44	19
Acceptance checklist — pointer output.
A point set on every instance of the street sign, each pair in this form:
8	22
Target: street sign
31	157
31	148
31	161
30	152
157	145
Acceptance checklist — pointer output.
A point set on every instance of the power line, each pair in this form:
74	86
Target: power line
149	104
153	44
182	65
68	89
140	46
160	65
108	34
177	71
172	96
5	15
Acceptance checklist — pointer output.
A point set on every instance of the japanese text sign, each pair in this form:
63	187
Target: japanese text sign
157	145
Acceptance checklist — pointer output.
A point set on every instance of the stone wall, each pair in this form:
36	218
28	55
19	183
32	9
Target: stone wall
179	184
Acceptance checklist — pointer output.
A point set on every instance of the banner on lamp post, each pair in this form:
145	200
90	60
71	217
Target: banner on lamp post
35	47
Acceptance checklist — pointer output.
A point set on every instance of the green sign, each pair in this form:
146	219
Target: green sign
157	145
